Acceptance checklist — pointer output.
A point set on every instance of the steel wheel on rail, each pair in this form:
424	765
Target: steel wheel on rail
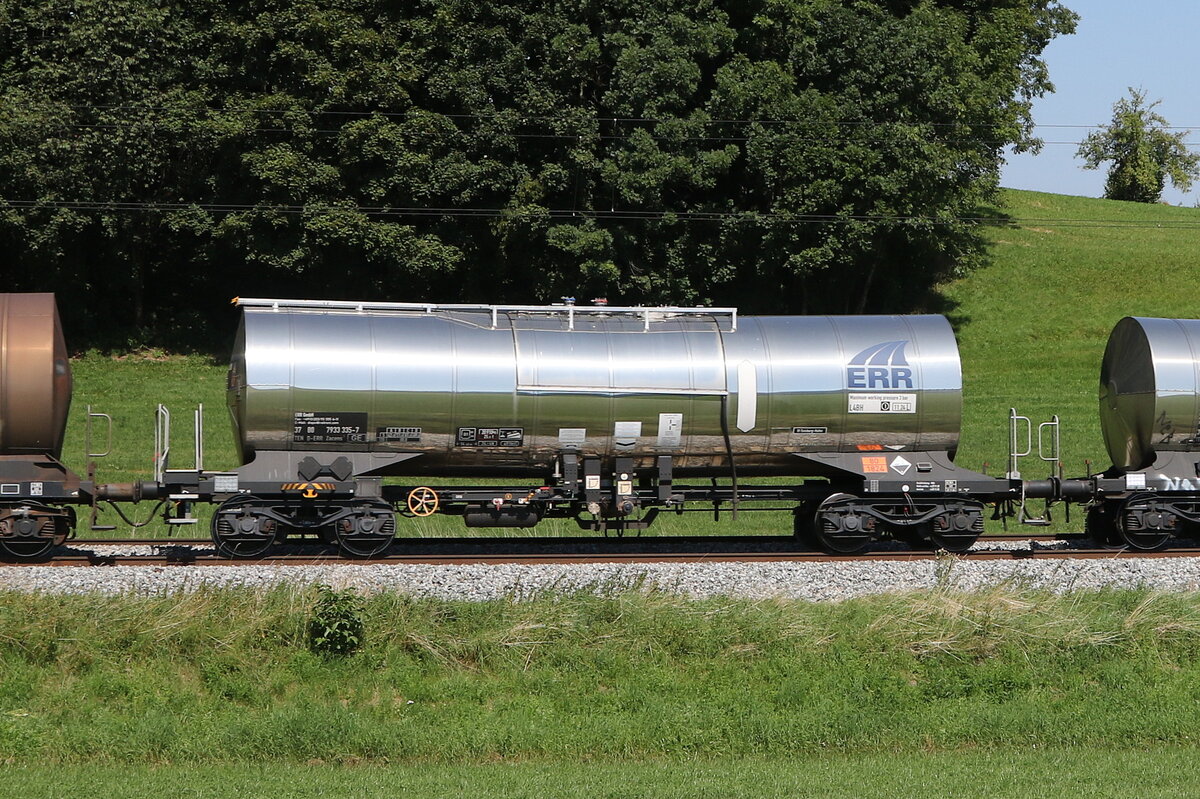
840	527
1143	523
32	532
366	533
238	531
27	548
957	529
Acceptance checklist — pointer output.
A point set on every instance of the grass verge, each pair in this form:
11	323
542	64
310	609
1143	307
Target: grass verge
229	676
1015	774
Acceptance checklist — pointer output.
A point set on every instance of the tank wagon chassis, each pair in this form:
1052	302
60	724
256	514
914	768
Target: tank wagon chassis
356	514
859	416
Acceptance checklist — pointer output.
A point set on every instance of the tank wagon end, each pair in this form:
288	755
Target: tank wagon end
1150	421
35	397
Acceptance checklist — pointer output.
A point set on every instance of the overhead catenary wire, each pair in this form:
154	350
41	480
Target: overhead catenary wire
111	126
619	214
515	116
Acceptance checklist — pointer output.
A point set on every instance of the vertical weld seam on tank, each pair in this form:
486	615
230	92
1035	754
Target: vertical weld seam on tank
371	444
455	365
722	404
689	403
1195	375
767	396
291	389
843	415
530	444
5	382
916	357
611	431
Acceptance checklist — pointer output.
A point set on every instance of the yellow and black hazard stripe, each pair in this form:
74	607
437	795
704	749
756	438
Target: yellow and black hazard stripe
308	490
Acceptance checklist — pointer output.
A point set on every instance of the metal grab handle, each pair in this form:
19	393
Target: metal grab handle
162	441
87	435
1053	423
1028	435
198	433
1014	456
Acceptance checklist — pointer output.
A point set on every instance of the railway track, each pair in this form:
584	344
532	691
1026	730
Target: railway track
676	549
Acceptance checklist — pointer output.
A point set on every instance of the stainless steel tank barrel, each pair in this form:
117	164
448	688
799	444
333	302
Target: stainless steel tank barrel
515	386
1150	390
35	376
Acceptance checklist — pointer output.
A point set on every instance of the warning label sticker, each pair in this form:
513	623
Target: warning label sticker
670	430
314	427
874	464
490	437
883	403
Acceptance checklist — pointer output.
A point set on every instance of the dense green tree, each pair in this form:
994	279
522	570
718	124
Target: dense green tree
1143	150
781	155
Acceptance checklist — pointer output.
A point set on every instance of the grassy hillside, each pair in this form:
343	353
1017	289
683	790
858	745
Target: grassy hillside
1031	326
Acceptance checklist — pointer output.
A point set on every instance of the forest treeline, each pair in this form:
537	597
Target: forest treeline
161	157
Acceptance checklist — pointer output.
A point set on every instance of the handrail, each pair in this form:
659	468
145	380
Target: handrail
647	313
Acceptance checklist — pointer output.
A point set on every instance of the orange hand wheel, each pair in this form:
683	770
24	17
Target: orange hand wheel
423	501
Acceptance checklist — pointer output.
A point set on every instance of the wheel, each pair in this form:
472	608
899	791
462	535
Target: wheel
840	527
27	548
366	533
956	530
34	535
240	530
1144	541
1144	524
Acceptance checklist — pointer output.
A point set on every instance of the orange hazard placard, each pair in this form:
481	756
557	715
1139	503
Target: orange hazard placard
874	464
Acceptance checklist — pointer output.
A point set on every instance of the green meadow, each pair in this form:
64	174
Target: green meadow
1022	693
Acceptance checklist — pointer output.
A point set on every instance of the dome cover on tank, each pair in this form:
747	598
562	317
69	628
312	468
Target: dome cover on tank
1150	390
35	376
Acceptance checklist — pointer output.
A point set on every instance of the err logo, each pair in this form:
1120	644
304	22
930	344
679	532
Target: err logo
880	366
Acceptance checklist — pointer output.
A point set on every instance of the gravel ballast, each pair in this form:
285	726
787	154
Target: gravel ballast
754	580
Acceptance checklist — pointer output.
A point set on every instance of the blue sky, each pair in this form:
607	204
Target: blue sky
1148	44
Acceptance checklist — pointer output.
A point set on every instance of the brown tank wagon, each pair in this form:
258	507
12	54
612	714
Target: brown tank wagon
35	397
35	376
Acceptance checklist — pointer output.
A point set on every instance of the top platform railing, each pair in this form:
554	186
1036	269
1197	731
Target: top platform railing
648	314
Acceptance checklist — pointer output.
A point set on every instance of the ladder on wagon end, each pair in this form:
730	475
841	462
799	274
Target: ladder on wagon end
179	511
1047	451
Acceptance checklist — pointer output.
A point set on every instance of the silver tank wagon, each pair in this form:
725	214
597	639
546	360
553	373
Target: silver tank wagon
514	387
1150	390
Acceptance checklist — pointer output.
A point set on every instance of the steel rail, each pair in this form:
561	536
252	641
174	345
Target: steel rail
330	558
983	539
